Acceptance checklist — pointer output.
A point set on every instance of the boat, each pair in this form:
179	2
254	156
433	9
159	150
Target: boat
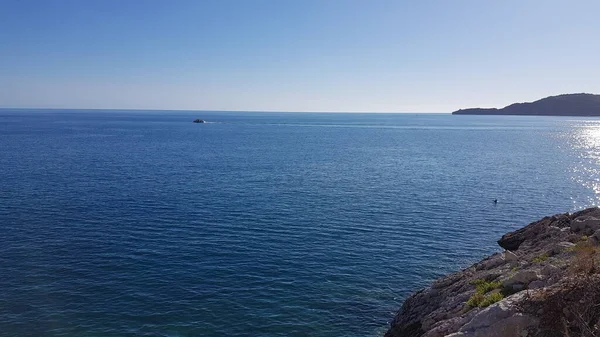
199	120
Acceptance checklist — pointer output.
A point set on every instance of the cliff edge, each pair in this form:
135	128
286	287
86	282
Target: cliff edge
545	283
561	105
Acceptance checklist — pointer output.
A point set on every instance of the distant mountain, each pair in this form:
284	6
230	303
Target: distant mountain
561	105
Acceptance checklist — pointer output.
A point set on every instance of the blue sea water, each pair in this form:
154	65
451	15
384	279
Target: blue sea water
141	223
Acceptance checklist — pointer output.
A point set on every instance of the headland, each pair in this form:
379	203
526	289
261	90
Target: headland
561	105
545	283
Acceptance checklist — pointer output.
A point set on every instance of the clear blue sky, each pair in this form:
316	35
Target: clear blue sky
300	55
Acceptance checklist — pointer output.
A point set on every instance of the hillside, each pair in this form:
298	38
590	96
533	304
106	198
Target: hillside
561	105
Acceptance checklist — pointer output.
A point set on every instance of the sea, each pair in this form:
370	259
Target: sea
142	223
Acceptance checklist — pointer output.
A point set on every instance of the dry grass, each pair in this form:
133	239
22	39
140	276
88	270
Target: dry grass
573	308
586	260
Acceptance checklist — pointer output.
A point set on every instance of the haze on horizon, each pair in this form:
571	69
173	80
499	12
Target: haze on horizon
310	55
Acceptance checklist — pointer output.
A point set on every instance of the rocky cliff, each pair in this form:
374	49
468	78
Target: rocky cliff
546	282
561	105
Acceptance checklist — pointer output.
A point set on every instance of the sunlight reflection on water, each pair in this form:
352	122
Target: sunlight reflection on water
585	140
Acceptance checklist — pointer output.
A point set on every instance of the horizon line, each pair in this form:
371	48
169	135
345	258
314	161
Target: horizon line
204	110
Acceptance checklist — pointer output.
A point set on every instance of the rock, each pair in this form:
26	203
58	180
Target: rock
596	236
537	257
561	247
501	319
491	262
510	256
537	284
443	328
592	211
513	240
549	271
523	277
447	281
585	225
518	287
561	221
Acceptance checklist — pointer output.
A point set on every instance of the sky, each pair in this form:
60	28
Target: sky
295	55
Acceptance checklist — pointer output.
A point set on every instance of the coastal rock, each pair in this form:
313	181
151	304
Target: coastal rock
491	262
445	327
592	212
513	240
549	270
512	326
561	247
501	319
510	256
586	225
536	284
596	236
523	277
540	261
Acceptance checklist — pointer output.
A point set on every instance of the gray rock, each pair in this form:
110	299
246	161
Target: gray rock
453	305
549	271
440	310
593	212
501	319
538	284
522	277
586	225
510	256
443	328
561	247
596	236
518	287
447	281
494	312
491	262
530	234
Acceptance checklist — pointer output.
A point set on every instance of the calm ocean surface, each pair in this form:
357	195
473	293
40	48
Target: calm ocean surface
126	223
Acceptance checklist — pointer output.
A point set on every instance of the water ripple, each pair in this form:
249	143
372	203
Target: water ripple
144	224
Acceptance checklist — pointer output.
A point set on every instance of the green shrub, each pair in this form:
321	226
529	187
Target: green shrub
540	258
479	298
475	300
491	299
483	286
